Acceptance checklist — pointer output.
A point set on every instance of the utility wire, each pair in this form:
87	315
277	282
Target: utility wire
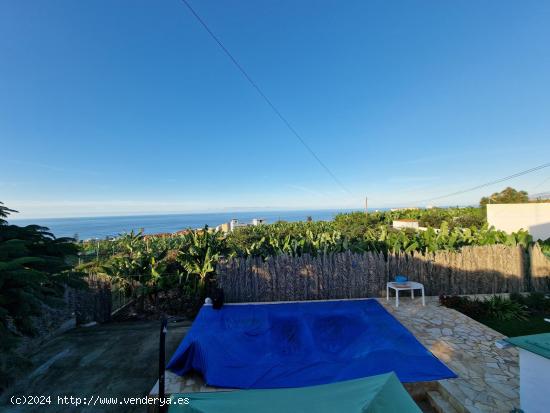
527	171
264	96
541	183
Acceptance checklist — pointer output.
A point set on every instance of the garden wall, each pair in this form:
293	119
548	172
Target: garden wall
473	270
76	307
540	269
94	303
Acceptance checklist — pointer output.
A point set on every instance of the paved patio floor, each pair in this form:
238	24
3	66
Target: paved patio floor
488	377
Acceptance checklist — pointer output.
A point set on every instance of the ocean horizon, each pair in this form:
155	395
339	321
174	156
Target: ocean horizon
110	226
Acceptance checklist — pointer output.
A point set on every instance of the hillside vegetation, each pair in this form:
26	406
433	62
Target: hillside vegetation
35	266
34	269
144	265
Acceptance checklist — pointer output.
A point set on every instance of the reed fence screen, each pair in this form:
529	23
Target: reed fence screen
539	269
473	270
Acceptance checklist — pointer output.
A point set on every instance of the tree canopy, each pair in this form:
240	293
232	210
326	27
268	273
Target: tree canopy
4	212
506	196
34	267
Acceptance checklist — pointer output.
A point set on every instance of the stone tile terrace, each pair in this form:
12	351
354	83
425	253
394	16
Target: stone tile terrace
488	377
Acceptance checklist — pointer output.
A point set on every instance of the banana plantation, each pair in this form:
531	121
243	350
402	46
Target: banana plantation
141	265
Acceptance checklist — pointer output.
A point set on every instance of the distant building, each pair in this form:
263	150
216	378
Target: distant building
404	209
532	217
234	223
223	227
183	232
406	223
540	197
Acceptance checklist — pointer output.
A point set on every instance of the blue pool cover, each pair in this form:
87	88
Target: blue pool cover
260	346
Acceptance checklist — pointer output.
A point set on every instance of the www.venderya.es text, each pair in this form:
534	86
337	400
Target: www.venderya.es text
95	400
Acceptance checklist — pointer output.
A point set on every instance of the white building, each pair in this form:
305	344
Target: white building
406	223
532	217
234	223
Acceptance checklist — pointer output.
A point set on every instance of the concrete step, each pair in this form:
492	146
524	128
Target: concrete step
439	403
449	397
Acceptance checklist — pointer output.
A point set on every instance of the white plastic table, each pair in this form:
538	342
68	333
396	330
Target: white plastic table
404	286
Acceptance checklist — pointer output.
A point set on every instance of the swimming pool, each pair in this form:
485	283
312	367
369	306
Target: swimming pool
276	345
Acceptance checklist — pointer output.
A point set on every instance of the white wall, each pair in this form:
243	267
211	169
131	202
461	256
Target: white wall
533	217
534	382
405	224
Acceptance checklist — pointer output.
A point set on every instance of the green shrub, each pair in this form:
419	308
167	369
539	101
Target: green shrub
536	303
34	269
545	247
476	220
517	297
495	307
473	308
505	309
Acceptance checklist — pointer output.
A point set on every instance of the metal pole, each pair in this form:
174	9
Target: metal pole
162	363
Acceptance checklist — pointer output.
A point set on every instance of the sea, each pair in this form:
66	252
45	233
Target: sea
112	226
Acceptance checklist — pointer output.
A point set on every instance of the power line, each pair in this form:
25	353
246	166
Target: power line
507	178
541	183
264	96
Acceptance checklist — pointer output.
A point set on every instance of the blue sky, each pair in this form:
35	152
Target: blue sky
129	107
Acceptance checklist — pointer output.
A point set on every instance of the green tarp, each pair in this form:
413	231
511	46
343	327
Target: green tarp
536	343
376	394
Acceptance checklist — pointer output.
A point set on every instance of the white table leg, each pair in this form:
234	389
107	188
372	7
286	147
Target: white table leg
412	294
397	298
387	293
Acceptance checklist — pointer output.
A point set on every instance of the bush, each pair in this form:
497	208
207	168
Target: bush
517	297
433	218
473	308
34	269
536	303
495	307
505	309
545	247
476	220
